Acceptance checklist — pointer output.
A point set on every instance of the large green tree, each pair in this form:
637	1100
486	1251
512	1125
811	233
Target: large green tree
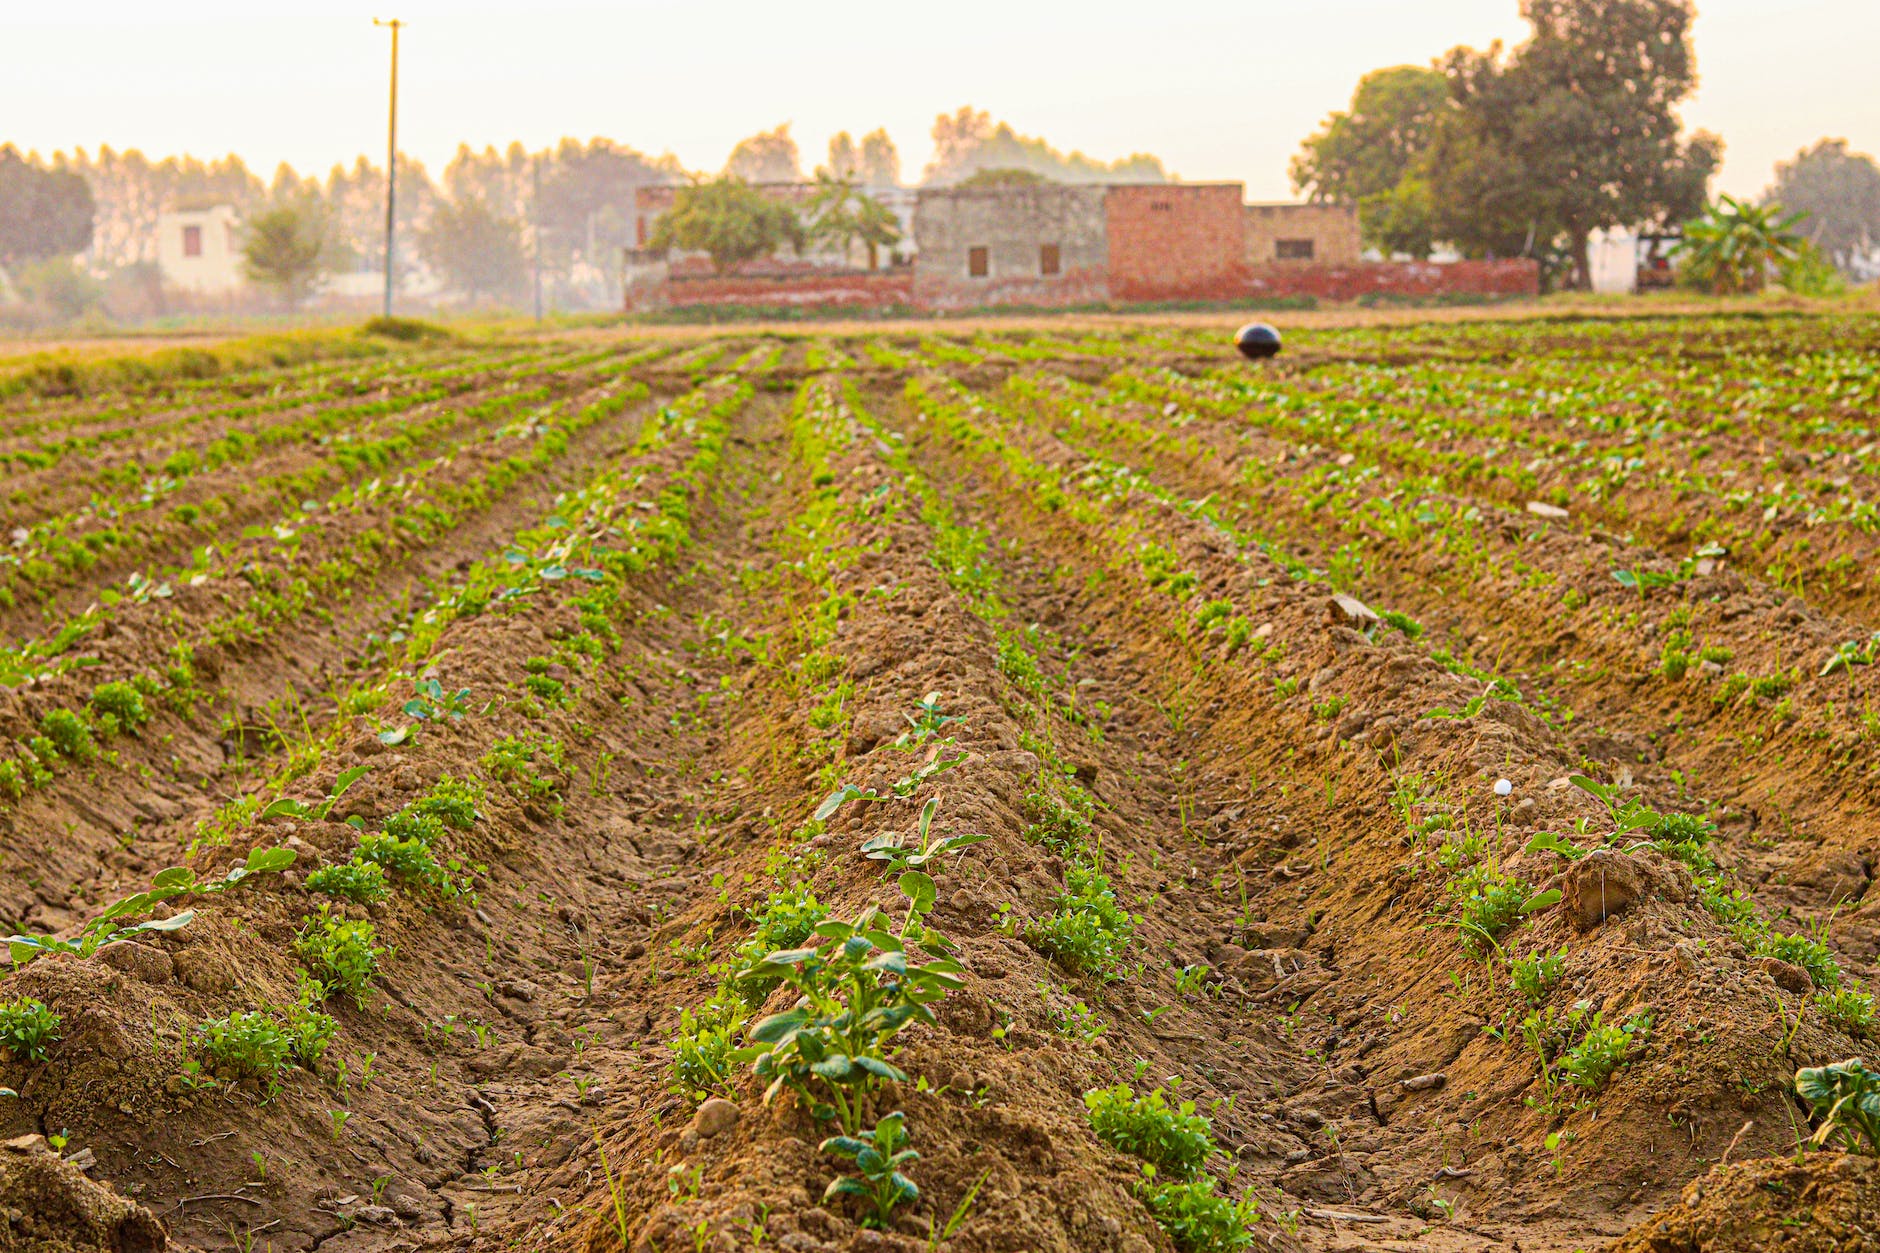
477	250
730	220
43	212
1576	130
1840	192
282	251
1373	156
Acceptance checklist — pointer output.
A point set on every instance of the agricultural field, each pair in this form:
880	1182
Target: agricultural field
1052	788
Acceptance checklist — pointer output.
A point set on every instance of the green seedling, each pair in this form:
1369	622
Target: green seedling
879	1157
27	1027
1845	1098
926	849
319	810
111	925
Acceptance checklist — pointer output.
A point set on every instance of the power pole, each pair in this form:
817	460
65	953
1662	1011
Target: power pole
535	231
391	165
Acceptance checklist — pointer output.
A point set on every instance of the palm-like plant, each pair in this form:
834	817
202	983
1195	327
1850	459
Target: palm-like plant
1734	246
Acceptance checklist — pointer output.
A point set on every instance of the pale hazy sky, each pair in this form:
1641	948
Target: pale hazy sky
1218	90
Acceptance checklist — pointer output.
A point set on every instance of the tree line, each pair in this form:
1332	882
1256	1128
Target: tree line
482	225
1528	151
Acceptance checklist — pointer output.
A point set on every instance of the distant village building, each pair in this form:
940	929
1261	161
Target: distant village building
199	249
1058	244
1291	234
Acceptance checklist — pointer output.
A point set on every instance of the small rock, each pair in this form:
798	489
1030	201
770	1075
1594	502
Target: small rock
1604	883
1343	610
1787	975
715	1117
1423	1083
1541	509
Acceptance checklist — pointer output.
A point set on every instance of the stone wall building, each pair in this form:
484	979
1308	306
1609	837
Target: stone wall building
1039	244
1294	234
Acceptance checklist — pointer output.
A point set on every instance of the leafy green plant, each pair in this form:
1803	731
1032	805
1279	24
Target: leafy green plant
343	953
318	810
68	735
1087	931
1171	1137
857	990
1534	976
925	850
112	924
1197	1218
1603	1049
1060	817
1845	1097
517	762
431	703
454	801
361	882
122	703
879	1156
1848	1008
27	1027
250	1042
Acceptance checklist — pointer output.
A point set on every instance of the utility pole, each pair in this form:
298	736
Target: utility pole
391	165
535	231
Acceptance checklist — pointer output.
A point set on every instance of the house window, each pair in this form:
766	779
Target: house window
978	264
192	241
1048	259
1292	249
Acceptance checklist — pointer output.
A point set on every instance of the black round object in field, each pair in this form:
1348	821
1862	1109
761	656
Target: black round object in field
1257	341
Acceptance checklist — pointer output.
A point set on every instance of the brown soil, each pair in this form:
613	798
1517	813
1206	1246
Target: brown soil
1266	806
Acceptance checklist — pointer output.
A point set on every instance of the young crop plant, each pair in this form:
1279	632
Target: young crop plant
524	764
1603	1049
343	953
1173	1138
1536	975
119	706
27	1027
1845	1097
361	882
1060	815
248	1043
878	1182
68	736
925	851
452	801
1088	932
1848	1008
1196	1217
857	990
1488	902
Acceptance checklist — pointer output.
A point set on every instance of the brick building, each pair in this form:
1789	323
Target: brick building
1037	244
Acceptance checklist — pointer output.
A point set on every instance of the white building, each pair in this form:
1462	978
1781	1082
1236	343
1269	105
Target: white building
1613	257
199	249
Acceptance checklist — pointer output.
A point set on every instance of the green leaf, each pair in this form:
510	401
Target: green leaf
395	737
287	809
919	890
774	1028
1540	900
263	860
175	877
1549	842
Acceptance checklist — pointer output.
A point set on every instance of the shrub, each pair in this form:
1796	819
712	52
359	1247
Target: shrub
27	1027
359	881
1171	1138
342	952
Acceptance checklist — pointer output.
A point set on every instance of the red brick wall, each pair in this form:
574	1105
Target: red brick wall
866	289
1176	242
934	290
1517	276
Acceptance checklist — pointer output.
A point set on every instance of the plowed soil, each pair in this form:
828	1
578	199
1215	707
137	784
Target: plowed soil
1445	754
